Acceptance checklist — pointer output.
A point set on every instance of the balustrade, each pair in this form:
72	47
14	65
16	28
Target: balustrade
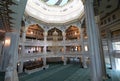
49	43
51	54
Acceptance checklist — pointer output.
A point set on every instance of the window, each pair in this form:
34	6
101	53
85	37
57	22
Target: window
117	60
109	19
28	31
101	23
105	22
116	46
86	48
113	17
105	47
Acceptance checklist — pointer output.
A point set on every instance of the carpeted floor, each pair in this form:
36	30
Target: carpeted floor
59	72
2	75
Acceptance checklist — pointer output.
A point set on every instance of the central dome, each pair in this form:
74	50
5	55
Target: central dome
56	2
41	10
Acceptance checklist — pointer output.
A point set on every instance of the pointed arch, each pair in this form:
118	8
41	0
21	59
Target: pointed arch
72	33
50	33
35	32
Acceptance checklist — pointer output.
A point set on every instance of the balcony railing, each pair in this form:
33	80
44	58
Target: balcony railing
28	56
50	43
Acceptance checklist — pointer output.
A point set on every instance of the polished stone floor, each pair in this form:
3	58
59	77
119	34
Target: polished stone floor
69	72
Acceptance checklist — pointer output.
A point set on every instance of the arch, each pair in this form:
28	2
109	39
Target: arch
72	33
51	31
35	32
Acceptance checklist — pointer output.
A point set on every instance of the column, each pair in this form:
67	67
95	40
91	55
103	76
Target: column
10	58
20	67
23	36
93	41
64	47
64	60
45	48
83	51
21	56
1	51
24	30
110	49
103	66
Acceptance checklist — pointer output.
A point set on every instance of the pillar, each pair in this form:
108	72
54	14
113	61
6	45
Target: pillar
103	65
20	66
64	47
110	49
93	40
1	51
83	51
10	56
24	30
45	48
21	56
64	37
65	61
23	36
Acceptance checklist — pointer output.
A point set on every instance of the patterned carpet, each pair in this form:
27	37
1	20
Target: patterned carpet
59	72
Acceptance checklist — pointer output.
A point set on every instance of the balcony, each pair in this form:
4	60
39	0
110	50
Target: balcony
31	42
29	56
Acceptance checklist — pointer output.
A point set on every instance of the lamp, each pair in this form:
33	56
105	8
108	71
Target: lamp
86	48
7	41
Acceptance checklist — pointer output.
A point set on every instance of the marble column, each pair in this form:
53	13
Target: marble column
45	48
10	56
64	61
64	47
103	66
24	30
20	67
110	49
23	36
83	50
93	40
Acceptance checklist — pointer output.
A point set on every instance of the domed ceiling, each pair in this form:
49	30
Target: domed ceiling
55	11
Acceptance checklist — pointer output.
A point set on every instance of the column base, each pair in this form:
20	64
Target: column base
11	75
106	77
85	67
64	64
